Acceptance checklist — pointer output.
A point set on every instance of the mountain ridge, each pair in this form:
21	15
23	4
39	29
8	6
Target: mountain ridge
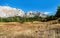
6	11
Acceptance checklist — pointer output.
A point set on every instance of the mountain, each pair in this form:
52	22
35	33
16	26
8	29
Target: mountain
35	13
6	11
30	14
42	15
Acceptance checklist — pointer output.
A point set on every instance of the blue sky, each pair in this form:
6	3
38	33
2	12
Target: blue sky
33	5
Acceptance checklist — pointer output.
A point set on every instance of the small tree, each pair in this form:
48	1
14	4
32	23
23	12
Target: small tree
58	12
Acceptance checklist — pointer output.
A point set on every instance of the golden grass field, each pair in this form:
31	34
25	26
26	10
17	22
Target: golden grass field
26	29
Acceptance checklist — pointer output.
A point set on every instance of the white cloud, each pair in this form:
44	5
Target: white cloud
6	11
47	12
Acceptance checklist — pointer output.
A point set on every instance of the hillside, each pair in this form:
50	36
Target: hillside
29	29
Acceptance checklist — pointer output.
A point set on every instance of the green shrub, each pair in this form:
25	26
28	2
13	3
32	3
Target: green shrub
24	19
43	20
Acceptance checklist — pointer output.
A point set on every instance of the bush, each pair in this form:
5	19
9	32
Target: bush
58	20
58	12
55	22
43	20
50	18
24	19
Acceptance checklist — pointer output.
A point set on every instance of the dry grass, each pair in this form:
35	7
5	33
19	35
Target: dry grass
25	30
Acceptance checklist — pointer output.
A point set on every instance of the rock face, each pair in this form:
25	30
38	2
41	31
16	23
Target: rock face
30	14
42	15
6	11
35	13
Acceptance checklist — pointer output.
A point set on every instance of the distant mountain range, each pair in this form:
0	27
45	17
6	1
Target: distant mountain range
35	13
6	11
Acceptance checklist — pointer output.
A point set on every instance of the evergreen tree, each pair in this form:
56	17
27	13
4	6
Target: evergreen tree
58	12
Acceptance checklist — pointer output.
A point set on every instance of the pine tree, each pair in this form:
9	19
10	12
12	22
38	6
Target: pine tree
58	12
